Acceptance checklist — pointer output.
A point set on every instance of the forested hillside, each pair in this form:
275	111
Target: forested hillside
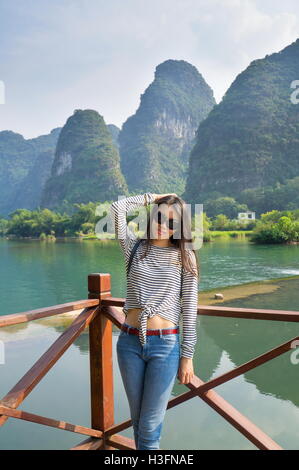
86	165
250	140
156	141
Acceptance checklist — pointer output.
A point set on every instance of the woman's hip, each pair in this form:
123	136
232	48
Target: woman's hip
164	345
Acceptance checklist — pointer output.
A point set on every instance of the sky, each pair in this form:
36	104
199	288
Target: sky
60	55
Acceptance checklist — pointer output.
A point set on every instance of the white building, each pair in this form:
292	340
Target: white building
246	216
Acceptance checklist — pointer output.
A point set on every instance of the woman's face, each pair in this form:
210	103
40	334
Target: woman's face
165	221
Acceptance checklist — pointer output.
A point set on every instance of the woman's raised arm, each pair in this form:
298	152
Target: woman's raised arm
118	212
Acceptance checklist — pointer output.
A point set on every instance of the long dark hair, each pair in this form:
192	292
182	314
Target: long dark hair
185	232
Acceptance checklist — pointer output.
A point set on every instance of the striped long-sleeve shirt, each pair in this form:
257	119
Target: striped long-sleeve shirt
154	282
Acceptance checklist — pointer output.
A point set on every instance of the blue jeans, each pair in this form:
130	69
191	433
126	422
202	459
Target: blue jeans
148	374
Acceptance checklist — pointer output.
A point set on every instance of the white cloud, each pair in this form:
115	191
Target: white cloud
60	55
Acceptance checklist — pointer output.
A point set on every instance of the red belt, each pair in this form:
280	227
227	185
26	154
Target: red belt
165	331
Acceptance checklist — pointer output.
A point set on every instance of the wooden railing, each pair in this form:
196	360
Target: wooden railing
99	314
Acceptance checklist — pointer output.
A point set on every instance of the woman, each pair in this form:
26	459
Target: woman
149	353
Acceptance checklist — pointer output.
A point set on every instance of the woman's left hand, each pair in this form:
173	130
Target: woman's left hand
185	373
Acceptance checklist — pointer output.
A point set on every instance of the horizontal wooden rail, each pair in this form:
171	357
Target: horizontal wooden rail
250	313
218	311
230	312
54	423
38	313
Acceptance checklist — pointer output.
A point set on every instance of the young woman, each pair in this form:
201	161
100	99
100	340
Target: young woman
149	353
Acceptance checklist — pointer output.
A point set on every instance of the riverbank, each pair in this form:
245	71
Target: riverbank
111	236
242	291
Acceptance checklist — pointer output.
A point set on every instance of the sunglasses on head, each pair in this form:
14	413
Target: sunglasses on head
160	218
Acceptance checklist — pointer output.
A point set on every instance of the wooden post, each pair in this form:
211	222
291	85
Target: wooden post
100	353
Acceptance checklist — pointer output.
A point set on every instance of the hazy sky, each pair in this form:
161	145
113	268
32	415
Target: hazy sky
60	55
